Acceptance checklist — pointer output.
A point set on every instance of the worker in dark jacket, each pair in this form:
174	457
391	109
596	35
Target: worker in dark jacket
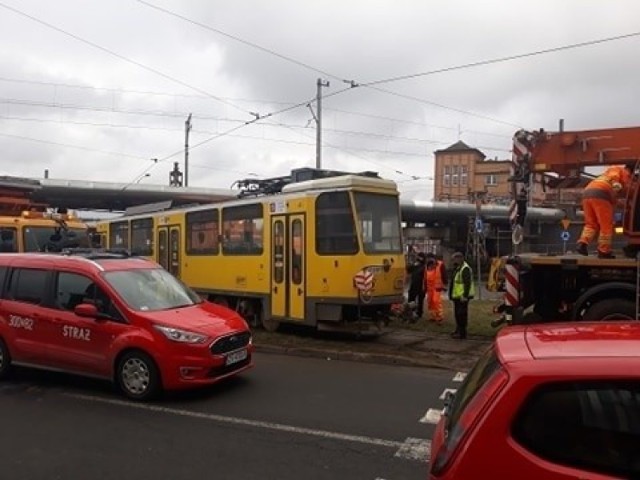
461	290
416	283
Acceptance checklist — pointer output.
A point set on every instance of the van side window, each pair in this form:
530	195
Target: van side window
28	285
588	425
73	289
8	242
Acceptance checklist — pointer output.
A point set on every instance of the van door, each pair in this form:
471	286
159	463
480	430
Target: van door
27	325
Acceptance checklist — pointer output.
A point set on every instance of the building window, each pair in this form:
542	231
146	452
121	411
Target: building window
491	180
454	177
463	176
446	179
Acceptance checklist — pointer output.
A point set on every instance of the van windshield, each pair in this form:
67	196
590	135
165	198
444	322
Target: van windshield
151	289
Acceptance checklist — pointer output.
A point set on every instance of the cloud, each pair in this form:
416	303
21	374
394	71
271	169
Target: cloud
101	105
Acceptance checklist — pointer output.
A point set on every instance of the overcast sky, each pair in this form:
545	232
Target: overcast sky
94	90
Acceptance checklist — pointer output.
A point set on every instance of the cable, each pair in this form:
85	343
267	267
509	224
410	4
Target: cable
352	83
179	114
427	102
238	39
48	142
126	59
503	59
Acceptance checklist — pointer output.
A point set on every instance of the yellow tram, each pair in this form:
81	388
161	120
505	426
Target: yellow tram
325	252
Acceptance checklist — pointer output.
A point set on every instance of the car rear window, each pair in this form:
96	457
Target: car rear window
484	368
587	425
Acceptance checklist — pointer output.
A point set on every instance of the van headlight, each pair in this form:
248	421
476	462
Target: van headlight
182	336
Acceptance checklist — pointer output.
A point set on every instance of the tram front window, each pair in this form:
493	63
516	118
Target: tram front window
379	219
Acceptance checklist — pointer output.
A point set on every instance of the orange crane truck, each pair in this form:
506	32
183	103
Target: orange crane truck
548	288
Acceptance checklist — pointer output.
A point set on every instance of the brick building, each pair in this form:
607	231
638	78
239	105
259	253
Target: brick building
462	171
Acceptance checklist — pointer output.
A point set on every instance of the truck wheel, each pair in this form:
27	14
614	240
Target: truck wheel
5	360
611	309
138	376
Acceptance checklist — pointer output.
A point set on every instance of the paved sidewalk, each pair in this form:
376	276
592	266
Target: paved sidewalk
397	347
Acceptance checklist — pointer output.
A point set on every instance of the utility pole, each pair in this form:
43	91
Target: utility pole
187	129
320	83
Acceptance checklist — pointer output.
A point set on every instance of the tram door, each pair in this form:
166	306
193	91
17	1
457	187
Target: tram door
169	248
288	266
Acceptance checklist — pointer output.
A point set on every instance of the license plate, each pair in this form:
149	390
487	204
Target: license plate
235	357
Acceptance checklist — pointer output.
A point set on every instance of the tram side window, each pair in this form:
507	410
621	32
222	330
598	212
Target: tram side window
8	243
119	235
203	232
243	230
335	228
142	236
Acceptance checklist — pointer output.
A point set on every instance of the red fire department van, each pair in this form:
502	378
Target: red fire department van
109	315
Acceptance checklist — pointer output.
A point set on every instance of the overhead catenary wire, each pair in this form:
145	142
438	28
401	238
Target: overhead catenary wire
502	59
124	58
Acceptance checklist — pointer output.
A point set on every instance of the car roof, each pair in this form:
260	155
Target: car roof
81	263
576	340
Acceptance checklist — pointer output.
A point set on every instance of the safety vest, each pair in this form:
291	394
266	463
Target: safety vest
433	276
458	284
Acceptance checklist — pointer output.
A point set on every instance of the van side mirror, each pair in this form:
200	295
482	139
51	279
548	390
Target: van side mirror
87	310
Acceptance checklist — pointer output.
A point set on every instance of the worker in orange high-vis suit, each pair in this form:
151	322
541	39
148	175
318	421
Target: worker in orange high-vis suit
599	200
435	279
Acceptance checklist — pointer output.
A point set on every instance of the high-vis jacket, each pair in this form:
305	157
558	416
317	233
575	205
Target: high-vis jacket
459	289
609	184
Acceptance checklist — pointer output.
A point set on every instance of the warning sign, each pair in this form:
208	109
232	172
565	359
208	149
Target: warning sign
565	223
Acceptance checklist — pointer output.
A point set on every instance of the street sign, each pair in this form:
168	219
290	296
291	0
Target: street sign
565	236
479	225
565	223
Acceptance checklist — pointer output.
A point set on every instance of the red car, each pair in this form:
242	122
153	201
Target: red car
553	401
117	317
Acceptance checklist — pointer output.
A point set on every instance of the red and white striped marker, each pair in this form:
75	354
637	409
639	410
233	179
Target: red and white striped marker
512	285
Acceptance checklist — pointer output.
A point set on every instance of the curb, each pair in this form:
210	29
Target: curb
377	358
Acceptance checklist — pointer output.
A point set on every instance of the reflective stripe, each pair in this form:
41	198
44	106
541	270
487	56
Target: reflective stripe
600	193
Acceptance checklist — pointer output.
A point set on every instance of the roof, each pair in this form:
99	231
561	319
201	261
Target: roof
80	262
576	340
460	146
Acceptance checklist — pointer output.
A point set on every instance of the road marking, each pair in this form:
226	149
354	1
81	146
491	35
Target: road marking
459	377
415	449
447	390
407	449
432	416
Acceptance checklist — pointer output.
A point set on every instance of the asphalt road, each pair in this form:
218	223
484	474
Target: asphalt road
288	418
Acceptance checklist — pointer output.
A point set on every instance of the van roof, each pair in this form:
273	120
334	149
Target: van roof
81	262
619	339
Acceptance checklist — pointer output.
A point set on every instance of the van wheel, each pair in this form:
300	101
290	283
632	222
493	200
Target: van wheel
137	376
611	309
5	360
